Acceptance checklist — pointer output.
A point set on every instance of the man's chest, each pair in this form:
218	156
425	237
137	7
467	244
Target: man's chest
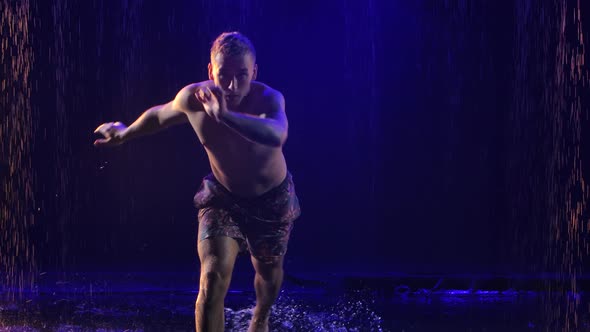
220	140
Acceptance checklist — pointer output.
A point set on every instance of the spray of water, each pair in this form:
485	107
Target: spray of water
17	252
546	163
568	190
348	314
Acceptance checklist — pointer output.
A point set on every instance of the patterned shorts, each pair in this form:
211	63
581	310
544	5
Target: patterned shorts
261	224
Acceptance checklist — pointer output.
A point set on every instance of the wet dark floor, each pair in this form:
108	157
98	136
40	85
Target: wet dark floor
165	302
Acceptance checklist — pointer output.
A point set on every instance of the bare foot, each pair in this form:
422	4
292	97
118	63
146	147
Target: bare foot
258	325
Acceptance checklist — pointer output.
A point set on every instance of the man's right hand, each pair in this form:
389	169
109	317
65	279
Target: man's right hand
112	133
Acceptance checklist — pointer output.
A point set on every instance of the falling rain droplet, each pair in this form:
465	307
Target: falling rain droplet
17	261
545	157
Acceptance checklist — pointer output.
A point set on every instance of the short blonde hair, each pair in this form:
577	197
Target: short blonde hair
232	44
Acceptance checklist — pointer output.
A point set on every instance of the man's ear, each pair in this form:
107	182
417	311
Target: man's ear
210	70
255	74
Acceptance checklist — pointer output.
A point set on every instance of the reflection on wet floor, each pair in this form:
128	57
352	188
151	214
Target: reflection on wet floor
166	303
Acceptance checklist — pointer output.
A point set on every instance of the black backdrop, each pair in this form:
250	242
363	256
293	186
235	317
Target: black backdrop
409	142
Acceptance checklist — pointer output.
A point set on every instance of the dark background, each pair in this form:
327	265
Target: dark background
420	132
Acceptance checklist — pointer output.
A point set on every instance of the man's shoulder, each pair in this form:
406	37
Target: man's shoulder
269	99
194	86
266	92
188	91
185	99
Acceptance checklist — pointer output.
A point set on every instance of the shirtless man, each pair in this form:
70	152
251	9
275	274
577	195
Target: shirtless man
248	202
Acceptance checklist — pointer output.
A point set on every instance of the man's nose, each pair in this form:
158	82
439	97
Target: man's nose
233	84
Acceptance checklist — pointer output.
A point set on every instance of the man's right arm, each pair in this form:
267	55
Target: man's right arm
153	120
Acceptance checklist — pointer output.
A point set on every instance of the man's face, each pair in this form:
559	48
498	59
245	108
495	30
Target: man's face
233	75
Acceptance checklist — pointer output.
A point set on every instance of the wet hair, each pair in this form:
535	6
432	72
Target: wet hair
232	44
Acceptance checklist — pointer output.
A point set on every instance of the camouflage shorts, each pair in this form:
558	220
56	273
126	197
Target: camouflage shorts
261	225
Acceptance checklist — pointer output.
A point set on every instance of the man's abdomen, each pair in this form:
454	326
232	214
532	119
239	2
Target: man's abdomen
249	175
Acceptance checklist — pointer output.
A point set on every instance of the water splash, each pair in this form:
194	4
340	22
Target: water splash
349	313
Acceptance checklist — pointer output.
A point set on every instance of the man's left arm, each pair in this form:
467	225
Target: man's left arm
270	128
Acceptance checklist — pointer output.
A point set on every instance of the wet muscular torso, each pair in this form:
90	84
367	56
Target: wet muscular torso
245	168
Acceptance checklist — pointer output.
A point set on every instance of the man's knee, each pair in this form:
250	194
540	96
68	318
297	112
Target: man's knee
213	280
268	268
213	286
